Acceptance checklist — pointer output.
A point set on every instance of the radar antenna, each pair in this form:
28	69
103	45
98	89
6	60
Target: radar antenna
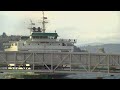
31	26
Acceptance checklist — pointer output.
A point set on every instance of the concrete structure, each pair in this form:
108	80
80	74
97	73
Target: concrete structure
62	62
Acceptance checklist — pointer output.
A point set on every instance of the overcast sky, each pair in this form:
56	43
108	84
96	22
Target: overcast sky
85	26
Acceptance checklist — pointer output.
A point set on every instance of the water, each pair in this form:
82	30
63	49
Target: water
93	76
7	75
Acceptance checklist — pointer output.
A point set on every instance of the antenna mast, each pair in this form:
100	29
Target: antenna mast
44	22
31	23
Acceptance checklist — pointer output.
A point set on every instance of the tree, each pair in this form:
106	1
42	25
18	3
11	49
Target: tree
4	35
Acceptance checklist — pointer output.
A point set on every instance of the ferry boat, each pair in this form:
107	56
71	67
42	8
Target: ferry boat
40	40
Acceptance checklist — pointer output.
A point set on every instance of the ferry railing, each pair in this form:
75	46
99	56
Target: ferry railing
68	40
54	40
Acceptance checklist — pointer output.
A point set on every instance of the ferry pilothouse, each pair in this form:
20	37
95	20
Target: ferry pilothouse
40	40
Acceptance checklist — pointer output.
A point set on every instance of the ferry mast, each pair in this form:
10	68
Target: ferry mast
31	28
44	22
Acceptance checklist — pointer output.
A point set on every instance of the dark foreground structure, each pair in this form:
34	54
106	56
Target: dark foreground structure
62	62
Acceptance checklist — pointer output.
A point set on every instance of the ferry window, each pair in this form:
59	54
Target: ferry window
15	44
33	37
29	44
38	44
45	37
23	44
55	37
50	37
63	44
37	37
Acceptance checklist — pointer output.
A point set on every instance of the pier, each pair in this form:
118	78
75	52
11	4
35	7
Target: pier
59	62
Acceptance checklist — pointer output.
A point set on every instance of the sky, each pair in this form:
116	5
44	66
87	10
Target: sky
85	26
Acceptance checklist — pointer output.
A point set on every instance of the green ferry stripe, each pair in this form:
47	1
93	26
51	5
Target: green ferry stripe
44	34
